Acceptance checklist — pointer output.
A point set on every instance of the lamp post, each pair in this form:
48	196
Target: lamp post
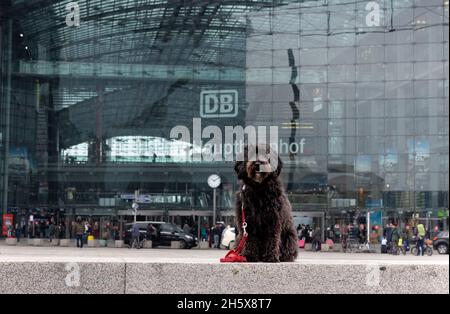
214	182
135	205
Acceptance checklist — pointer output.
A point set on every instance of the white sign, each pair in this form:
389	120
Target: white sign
142	199
73	17
219	104
373	17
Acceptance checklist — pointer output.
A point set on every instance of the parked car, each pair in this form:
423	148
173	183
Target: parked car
228	237
440	242
165	234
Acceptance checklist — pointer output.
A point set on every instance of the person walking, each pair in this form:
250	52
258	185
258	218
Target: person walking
187	229
135	234
395	239
58	232
221	230
204	233
37	229
87	231
421	232
405	238
17	231
78	230
216	236
151	232
384	246
388	235
344	237
51	231
317	240
96	230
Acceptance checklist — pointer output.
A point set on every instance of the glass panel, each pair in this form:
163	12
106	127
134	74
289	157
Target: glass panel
118	105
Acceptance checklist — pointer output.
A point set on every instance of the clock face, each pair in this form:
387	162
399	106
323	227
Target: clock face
214	181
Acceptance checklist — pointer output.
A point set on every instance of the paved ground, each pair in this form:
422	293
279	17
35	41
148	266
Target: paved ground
36	254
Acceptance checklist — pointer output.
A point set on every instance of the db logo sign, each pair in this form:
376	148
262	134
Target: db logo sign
219	104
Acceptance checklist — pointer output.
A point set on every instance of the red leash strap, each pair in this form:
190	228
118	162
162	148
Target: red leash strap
234	256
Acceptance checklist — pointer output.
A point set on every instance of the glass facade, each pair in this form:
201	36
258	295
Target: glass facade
91	90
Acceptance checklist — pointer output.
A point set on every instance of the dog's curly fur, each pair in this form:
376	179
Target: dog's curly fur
268	213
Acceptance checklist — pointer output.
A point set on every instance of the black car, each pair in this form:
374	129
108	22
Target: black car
164	234
440	242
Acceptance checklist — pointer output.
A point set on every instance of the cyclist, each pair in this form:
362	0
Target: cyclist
135	234
421	232
344	237
395	239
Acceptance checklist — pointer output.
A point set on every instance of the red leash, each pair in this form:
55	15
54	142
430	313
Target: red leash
234	256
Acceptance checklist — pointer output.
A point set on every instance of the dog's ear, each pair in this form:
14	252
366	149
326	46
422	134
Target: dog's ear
279	168
273	155
239	167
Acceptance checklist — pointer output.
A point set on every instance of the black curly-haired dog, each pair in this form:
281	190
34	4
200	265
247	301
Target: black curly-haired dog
268	213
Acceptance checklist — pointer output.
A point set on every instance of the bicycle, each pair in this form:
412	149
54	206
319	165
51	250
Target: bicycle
136	243
427	249
401	248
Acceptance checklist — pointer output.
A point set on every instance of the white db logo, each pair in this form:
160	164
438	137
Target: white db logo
219	104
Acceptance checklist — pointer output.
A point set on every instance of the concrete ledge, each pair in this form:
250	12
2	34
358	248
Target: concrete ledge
111	243
59	278
93	243
65	242
337	247
203	245
11	241
119	244
285	278
38	242
148	244
118	276
55	242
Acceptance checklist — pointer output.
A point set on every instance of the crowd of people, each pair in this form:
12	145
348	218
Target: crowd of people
396	239
81	230
42	228
50	229
393	239
213	234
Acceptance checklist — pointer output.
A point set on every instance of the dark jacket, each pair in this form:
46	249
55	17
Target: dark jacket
395	235
78	228
135	232
389	234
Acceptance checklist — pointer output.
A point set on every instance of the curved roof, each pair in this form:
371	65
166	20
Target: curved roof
141	31
135	59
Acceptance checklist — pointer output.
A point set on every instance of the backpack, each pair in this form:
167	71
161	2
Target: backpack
421	230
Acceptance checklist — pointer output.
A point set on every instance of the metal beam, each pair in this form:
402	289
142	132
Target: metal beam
237	29
7	116
129	71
